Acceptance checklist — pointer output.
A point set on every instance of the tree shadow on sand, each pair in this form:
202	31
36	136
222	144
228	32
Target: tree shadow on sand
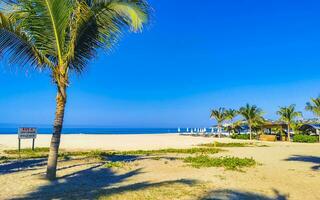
240	195
21	165
311	159
92	182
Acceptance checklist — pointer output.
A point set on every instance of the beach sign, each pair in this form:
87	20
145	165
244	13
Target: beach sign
27	133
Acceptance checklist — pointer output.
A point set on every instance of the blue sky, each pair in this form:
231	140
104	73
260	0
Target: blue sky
191	58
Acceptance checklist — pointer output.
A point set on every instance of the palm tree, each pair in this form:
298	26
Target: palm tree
288	115
231	114
314	107
253	116
61	36
220	116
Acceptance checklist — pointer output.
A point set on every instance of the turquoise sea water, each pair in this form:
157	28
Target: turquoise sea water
14	130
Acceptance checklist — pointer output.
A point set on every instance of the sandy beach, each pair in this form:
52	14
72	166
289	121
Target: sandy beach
108	142
285	170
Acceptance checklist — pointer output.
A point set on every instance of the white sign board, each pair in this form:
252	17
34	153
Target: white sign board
27	133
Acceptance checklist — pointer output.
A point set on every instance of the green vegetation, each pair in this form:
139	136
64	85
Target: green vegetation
44	152
220	116
164	151
114	164
219	144
305	138
228	163
241	136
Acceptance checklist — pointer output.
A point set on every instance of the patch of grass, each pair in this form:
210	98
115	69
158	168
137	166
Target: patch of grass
43	153
305	138
114	164
233	144
229	163
178	151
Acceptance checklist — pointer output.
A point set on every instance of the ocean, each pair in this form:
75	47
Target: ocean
14	130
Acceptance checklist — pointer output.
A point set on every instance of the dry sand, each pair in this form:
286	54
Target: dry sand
286	171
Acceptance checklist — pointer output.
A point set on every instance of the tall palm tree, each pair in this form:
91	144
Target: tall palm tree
252	114
288	115
61	36
314	107
220	116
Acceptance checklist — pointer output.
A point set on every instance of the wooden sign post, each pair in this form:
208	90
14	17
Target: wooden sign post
27	133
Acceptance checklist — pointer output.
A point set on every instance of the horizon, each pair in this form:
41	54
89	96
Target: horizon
189	60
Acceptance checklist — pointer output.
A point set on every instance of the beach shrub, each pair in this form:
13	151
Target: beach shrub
219	144
164	151
305	138
229	163
241	136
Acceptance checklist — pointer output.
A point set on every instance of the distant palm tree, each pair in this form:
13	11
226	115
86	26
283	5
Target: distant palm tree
253	116
61	36
220	116
231	114
314	107
288	115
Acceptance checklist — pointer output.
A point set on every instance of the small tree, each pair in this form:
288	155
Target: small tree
220	116
288	115
252	115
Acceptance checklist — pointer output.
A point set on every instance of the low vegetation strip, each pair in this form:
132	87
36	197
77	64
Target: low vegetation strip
164	151
229	163
43	152
219	144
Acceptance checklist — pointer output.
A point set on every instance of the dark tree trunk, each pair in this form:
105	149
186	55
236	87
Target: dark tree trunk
250	131
289	139
57	128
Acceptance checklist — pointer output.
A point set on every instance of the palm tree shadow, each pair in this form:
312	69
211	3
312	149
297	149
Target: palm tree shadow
21	165
92	182
240	195
80	185
311	159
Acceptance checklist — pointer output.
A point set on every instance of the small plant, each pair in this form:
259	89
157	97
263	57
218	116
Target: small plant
229	163
114	165
305	138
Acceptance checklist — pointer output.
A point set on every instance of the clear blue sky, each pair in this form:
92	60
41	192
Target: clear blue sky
194	56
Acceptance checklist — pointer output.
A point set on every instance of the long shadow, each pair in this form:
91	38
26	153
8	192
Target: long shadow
240	195
91	183
311	159
21	165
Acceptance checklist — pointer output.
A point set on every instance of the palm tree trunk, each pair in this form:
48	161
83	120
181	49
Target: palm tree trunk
289	139
57	128
219	130
250	131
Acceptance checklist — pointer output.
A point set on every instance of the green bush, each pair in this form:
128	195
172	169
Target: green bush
241	136
229	163
305	138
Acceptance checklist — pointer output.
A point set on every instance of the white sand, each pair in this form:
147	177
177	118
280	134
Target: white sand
108	142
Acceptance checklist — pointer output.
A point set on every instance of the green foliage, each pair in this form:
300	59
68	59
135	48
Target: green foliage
114	164
64	35
314	106
305	138
229	163
288	114
241	136
164	151
252	114
219	144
